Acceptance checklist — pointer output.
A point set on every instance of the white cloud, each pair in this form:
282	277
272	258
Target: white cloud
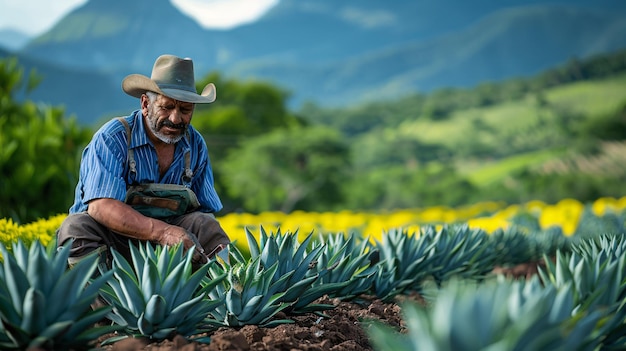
34	17
224	13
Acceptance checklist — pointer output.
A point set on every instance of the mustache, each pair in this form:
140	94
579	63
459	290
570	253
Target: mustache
169	124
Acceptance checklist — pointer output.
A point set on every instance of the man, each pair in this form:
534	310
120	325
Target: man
147	176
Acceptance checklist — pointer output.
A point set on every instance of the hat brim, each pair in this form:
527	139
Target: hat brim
136	85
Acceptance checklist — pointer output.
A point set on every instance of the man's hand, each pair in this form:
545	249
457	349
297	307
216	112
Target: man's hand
123	219
173	235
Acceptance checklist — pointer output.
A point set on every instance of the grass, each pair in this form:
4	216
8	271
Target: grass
493	125
484	173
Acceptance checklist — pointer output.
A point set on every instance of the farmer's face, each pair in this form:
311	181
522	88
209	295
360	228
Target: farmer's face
167	119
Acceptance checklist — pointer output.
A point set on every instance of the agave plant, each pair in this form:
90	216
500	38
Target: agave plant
249	294
512	246
494	315
159	295
404	259
590	224
352	263
458	251
596	269
43	305
297	269
548	242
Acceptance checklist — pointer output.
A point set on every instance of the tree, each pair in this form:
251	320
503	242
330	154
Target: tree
242	109
300	168
40	151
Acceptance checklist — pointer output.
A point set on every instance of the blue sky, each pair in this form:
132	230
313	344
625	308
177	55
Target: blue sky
34	17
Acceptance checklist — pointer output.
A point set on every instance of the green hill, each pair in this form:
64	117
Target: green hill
550	136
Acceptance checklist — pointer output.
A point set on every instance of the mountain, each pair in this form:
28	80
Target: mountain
511	42
75	90
12	39
329	52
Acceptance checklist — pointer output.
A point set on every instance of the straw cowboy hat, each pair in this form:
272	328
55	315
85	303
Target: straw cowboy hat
171	76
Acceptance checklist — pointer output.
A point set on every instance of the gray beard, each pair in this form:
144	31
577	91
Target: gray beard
166	139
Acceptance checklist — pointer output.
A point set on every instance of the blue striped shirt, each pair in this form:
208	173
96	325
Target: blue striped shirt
104	171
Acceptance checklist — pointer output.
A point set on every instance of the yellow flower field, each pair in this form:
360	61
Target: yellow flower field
488	216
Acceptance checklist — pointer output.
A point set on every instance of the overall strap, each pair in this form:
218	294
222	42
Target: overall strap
132	165
188	173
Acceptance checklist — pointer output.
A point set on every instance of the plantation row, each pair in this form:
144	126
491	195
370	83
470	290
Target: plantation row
565	215
577	302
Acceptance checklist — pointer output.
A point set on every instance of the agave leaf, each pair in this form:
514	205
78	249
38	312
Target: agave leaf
233	302
155	309
21	254
145	327
210	283
191	285
86	322
7	310
163	333
89	335
114	339
164	265
16	280
52	332
268	275
253	245
279	285
130	294
37	268
212	304
305	263
269	255
315	293
263	237
120	317
150	280
299	254
250	307
296	290
138	260
19	336
180	312
266	313
71	285
234	253
173	280
34	304
92	290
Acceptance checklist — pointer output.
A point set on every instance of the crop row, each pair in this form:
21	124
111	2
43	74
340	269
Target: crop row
575	303
489	216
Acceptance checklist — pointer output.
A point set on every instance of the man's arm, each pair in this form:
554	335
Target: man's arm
123	219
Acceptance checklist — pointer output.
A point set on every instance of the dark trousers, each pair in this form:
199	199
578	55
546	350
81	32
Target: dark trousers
90	236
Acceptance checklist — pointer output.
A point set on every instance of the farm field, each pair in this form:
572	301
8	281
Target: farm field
488	216
428	260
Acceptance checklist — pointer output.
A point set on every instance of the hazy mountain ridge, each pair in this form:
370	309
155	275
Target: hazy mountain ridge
12	39
497	47
332	53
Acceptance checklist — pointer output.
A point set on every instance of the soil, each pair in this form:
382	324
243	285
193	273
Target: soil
343	328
